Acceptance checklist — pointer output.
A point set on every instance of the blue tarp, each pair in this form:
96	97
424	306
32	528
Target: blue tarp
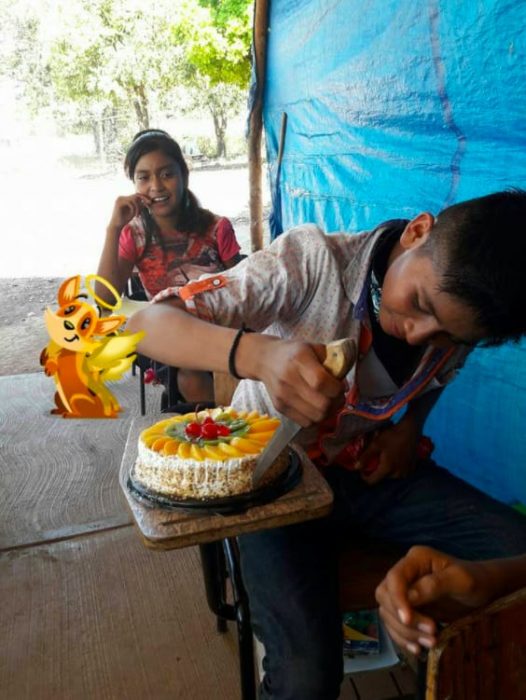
395	107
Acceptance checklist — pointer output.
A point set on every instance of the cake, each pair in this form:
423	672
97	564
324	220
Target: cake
205	455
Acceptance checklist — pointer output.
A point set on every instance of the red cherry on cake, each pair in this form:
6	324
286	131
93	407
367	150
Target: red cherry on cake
193	430
149	376
223	429
208	420
209	430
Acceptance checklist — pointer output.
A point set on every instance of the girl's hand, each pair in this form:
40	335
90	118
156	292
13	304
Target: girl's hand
391	452
293	373
426	577
126	208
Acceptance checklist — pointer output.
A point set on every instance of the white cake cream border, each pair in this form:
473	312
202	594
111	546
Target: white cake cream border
170	476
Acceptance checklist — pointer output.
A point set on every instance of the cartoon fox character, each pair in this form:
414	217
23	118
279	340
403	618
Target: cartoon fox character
84	352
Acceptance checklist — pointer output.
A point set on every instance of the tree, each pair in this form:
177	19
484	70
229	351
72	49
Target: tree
115	54
216	36
23	53
90	61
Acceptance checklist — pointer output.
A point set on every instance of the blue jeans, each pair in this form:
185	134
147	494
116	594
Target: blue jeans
291	576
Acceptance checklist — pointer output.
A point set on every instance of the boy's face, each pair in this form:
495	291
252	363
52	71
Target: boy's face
413	308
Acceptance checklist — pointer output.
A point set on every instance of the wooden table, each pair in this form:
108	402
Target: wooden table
167	529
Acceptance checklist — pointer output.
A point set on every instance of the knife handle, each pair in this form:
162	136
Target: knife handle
340	356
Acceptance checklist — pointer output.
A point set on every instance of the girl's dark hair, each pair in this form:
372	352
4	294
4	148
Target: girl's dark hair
191	218
480	246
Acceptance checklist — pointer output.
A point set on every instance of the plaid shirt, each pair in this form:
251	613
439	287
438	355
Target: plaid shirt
312	286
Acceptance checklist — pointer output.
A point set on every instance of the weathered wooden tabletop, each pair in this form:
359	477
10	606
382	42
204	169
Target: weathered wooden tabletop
169	529
87	611
59	476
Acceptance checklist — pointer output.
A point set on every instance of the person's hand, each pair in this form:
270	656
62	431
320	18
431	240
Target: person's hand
298	384
126	208
392	451
427	586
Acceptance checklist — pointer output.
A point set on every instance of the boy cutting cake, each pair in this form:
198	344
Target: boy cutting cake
415	296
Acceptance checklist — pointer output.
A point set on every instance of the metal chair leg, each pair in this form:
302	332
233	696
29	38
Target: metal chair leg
174	395
142	391
214	574
244	628
214	557
221	625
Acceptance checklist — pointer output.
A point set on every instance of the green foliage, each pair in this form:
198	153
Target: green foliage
23	54
217	42
225	10
217	37
115	52
100	57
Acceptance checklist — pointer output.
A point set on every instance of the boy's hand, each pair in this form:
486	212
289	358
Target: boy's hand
391	452
424	577
126	208
298	384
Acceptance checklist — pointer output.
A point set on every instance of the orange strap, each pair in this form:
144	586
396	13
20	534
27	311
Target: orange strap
210	283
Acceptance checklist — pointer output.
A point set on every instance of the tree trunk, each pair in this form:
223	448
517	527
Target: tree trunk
96	136
102	152
111	132
220	124
140	104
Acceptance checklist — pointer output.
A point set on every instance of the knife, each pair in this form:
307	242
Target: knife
339	358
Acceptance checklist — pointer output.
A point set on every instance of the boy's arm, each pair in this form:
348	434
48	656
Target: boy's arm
427	577
393	450
419	408
292	372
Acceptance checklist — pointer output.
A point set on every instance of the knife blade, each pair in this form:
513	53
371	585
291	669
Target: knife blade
339	358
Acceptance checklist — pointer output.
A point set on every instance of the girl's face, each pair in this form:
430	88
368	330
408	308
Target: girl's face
158	177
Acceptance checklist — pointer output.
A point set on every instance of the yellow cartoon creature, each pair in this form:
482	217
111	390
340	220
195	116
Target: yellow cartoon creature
85	351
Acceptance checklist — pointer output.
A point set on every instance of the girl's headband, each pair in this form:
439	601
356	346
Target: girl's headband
152	132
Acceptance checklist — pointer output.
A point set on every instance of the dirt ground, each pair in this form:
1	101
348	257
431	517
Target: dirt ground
22	330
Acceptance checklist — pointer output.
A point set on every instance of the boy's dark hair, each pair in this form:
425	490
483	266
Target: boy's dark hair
480	246
191	218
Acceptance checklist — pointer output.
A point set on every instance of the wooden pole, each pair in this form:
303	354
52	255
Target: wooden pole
256	123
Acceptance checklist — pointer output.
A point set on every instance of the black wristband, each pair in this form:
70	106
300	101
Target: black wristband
233	349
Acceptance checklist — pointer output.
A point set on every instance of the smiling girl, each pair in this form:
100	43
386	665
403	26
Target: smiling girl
163	233
161	230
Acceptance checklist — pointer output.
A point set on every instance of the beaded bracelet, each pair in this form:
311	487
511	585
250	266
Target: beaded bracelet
233	349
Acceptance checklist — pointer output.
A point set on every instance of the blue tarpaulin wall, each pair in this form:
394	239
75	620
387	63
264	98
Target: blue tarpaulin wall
395	107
